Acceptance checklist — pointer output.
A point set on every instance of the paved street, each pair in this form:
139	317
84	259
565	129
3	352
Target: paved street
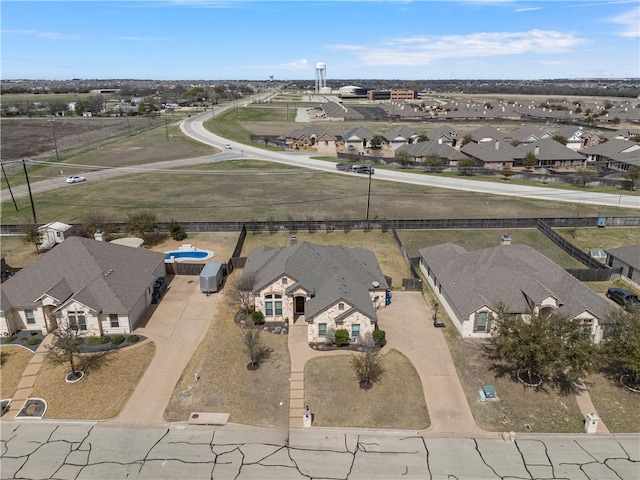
90	451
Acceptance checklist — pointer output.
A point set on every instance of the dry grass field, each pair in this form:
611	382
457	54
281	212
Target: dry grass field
332	391
258	397
108	383
618	407
13	361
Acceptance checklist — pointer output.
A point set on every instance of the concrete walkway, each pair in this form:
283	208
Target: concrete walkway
409	329
408	326
177	326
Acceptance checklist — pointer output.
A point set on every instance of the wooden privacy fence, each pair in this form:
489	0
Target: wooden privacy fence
330	224
595	274
569	247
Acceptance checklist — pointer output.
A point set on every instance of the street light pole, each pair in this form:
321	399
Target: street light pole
53	131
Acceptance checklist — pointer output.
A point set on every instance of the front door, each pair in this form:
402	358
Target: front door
298	306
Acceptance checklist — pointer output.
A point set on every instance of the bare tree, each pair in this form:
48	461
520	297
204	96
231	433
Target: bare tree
255	349
66	348
368	367
32	234
241	295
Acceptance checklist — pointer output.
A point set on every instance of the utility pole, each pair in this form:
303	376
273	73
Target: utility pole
33	208
9	186
368	196
53	131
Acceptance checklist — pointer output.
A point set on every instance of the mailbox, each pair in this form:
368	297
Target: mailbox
591	422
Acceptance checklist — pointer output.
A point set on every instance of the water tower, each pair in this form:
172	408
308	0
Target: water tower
321	79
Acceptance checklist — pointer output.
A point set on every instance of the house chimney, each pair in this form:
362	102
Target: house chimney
536	151
497	144
99	236
439	141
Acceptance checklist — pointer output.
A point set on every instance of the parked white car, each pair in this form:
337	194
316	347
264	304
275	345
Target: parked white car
75	179
227	146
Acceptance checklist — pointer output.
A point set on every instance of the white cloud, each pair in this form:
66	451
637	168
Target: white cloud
38	33
302	64
527	9
423	50
144	39
629	23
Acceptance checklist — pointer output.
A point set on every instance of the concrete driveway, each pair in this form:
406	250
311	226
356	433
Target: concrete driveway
177	326
409	329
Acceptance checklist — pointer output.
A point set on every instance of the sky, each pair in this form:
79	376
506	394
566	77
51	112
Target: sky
254	40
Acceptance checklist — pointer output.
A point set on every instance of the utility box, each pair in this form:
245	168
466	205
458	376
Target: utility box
490	391
591	423
211	277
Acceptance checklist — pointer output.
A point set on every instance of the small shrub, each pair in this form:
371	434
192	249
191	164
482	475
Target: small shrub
93	341
11	338
379	338
341	337
23	339
133	339
33	341
117	340
257	317
104	339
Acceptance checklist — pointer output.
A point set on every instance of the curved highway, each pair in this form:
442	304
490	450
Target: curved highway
194	128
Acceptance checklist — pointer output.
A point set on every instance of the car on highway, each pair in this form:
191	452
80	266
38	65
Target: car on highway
626	298
228	146
364	169
75	179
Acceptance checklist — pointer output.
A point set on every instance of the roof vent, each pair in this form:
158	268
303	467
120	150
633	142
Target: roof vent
108	272
375	284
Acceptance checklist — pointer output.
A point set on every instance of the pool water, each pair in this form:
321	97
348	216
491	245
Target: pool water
186	255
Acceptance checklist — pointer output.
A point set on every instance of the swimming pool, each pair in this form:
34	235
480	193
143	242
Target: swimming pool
184	255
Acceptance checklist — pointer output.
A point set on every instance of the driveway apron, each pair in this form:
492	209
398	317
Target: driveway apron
409	329
177	327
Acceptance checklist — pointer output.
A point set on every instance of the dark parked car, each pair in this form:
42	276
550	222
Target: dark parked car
626	298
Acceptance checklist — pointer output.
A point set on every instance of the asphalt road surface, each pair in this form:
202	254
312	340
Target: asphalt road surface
91	451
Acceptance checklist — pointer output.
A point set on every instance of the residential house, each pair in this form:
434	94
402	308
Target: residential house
357	140
529	134
444	134
578	138
96	287
486	133
615	154
496	155
312	137
627	258
328	287
472	285
423	152
551	154
400	136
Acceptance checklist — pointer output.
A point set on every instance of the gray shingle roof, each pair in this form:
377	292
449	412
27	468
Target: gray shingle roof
76	269
629	254
508	274
333	273
548	149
